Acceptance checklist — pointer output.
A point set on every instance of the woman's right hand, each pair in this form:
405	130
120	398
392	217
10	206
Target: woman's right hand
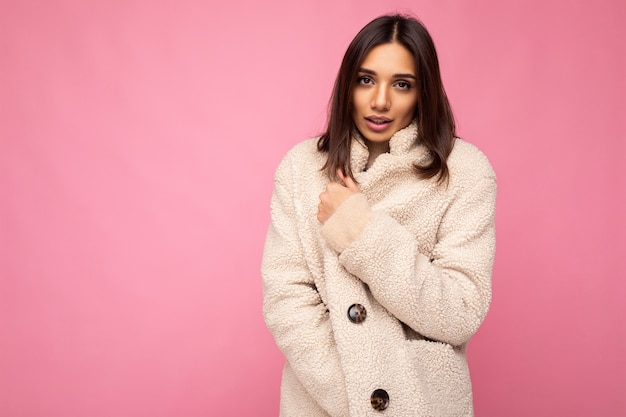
334	195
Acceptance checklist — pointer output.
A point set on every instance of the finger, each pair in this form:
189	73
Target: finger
340	174
348	182
321	214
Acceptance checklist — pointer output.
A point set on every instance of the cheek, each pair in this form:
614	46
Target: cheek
357	102
411	108
408	111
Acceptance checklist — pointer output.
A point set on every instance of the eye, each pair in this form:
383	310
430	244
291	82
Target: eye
364	81
403	85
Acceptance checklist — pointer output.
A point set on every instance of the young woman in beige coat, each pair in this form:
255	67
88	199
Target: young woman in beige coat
377	264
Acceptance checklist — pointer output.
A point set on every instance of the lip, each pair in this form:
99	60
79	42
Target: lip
378	118
372	124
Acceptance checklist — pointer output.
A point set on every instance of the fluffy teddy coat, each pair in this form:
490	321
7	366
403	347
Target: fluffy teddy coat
416	255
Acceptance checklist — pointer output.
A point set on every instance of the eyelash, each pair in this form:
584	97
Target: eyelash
367	81
407	86
361	80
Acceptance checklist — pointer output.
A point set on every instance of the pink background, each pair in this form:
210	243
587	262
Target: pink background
138	141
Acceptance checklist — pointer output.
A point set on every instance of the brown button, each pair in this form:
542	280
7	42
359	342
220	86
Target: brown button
379	399
357	313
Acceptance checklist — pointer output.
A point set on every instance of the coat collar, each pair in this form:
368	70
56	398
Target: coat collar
400	144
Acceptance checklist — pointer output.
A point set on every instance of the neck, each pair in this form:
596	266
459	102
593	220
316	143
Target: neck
375	149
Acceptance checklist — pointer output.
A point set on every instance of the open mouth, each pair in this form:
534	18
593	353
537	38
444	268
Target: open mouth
378	120
377	123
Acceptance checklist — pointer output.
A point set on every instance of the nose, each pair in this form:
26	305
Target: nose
381	100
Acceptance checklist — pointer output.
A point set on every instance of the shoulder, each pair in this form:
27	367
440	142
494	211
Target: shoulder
303	150
467	162
302	159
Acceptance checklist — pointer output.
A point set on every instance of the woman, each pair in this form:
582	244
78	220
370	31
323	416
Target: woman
377	264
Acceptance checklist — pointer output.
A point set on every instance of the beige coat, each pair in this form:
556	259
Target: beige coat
416	256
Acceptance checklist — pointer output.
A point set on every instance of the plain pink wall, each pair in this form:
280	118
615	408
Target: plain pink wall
138	141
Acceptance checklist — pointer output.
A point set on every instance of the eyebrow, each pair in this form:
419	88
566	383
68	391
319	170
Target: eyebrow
370	72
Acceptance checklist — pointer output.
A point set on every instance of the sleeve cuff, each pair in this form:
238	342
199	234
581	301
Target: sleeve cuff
347	222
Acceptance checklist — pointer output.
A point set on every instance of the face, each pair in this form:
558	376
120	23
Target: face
385	94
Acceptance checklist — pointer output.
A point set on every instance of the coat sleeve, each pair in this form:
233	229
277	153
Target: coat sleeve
292	307
446	296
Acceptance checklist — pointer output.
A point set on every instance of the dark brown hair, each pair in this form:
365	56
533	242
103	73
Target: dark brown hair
435	121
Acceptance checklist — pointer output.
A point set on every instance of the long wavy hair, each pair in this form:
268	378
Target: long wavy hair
435	121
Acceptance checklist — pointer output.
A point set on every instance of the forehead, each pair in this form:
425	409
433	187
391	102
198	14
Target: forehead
389	58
